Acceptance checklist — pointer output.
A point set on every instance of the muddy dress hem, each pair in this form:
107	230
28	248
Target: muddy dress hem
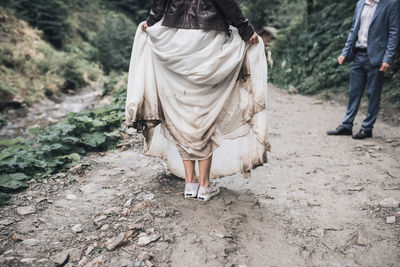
194	93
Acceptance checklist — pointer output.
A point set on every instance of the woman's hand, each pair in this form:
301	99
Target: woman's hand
144	26
253	39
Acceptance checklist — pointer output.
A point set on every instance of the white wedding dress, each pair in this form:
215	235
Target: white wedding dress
195	93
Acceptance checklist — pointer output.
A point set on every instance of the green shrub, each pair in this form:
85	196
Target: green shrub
59	147
9	60
6	56
3	122
305	54
6	93
43	66
73	75
137	10
114	41
273	13
51	16
116	83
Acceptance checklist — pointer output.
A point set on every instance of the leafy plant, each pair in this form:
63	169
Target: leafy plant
59	147
13	181
4	198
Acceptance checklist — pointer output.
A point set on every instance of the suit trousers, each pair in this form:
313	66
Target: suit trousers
362	75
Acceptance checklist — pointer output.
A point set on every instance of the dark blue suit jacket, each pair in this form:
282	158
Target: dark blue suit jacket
383	35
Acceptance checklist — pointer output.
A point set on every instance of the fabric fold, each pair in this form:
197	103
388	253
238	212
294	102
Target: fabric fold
195	93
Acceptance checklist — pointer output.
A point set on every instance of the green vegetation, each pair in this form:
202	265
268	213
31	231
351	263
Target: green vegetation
51	16
35	63
273	13
2	121
48	59
305	54
61	146
137	10
114	42
30	68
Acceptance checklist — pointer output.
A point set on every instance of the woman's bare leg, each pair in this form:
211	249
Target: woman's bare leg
190	172
204	169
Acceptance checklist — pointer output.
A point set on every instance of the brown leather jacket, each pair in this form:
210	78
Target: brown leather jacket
201	14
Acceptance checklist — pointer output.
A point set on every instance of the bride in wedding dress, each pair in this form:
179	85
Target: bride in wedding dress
199	95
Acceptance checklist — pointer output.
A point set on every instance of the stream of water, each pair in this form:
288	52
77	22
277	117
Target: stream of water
47	112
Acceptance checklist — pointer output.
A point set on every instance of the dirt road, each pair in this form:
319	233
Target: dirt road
320	201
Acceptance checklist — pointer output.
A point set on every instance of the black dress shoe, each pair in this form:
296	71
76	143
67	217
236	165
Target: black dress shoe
363	134
341	130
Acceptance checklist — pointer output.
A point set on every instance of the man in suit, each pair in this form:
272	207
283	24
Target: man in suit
371	44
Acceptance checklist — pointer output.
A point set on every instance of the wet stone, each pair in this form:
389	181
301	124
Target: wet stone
60	258
389	203
71	197
77	228
115	242
104	227
97	220
147	239
362	239
28	260
144	196
30	242
44	260
89	250
6	222
26	210
391	219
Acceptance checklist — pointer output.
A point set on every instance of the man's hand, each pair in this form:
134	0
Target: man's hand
253	39
385	66
144	26
341	59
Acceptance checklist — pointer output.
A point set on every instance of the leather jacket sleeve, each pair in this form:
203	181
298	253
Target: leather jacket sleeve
156	12
232	11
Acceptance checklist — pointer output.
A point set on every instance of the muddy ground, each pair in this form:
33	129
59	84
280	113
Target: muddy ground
320	201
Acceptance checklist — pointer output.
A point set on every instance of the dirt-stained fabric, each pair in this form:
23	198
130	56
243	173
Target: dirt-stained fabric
196	93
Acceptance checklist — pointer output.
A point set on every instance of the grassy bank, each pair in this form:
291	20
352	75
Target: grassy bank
31	68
